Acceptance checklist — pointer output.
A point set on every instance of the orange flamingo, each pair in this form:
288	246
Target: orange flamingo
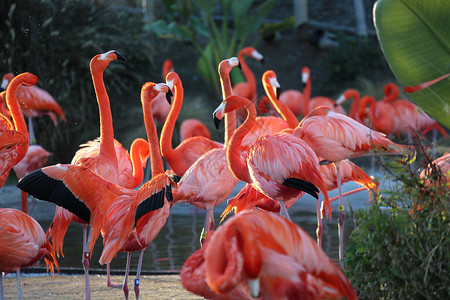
335	137
14	138
209	181
160	107
350	94
193	127
23	244
35	102
279	166
311	103
247	89
129	219
295	99
380	116
35	158
189	150
264	256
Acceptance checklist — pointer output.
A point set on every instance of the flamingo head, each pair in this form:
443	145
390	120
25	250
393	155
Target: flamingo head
306	72
6	79
101	61
229	104
226	65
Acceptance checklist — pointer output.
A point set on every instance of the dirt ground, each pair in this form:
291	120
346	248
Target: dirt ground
72	287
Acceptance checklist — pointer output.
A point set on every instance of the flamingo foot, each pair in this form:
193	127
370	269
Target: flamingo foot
108	282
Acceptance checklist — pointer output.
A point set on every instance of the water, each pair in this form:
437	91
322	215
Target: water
179	237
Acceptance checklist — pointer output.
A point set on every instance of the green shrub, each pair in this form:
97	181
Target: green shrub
56	40
398	251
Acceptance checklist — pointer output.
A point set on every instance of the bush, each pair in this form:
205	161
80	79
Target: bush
399	248
56	40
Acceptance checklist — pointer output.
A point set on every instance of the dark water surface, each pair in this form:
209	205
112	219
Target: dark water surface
180	235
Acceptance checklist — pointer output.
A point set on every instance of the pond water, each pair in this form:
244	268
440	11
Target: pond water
180	235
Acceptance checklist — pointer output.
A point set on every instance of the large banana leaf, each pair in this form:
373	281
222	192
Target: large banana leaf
414	36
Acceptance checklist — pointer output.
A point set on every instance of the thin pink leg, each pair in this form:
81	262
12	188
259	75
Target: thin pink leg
341	217
209	224
284	210
85	260
19	289
125	281
319	224
108	273
138	274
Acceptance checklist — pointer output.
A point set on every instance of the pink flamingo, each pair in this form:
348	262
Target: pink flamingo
335	137
295	99
264	256
193	127
160	106
347	95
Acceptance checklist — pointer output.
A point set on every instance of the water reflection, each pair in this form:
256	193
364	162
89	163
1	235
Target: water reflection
180	235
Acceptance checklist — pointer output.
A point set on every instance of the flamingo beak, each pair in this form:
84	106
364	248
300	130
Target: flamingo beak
218	114
339	100
119	56
4	83
305	77
254	287
278	91
169	96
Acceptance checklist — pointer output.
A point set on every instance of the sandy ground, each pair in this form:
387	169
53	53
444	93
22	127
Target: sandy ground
72	287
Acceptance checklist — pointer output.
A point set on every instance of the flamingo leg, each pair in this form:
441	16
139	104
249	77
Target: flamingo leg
138	275
341	217
209	224
108	273
319	224
19	290
32	136
2	297
85	260
125	280
24	198
284	210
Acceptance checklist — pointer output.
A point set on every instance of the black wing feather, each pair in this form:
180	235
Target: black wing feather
302	185
152	203
45	188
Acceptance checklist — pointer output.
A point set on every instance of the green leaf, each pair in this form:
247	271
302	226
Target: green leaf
414	36
240	8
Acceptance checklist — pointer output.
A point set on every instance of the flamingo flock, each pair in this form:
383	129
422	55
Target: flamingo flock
258	253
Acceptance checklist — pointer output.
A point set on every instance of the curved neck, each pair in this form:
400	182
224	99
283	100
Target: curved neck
248	74
391	92
236	163
13	105
167	131
281	108
152	135
366	100
353	94
106	122
139	151
307	95
230	118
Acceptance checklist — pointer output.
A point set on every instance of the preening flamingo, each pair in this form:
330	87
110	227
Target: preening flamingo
294	99
35	102
311	103
247	89
209	181
280	166
129	219
264	256
23	243
14	138
35	158
189	150
193	127
335	137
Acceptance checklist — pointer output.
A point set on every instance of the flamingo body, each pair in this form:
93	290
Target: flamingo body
193	127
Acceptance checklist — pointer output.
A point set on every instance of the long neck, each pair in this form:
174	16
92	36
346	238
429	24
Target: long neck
307	95
391	92
14	108
139	150
106	122
167	131
249	77
355	104
236	163
366	100
152	137
230	118
281	108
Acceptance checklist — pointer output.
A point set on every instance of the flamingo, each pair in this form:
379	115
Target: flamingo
335	137
294	99
209	181
311	103
35	102
160	107
23	243
349	94
188	151
14	138
264	256
128	219
247	89
279	166
380	115
193	127
35	158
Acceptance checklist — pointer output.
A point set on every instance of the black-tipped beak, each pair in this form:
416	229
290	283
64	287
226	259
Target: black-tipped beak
262	61
278	92
169	96
216	121
120	56
239	65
